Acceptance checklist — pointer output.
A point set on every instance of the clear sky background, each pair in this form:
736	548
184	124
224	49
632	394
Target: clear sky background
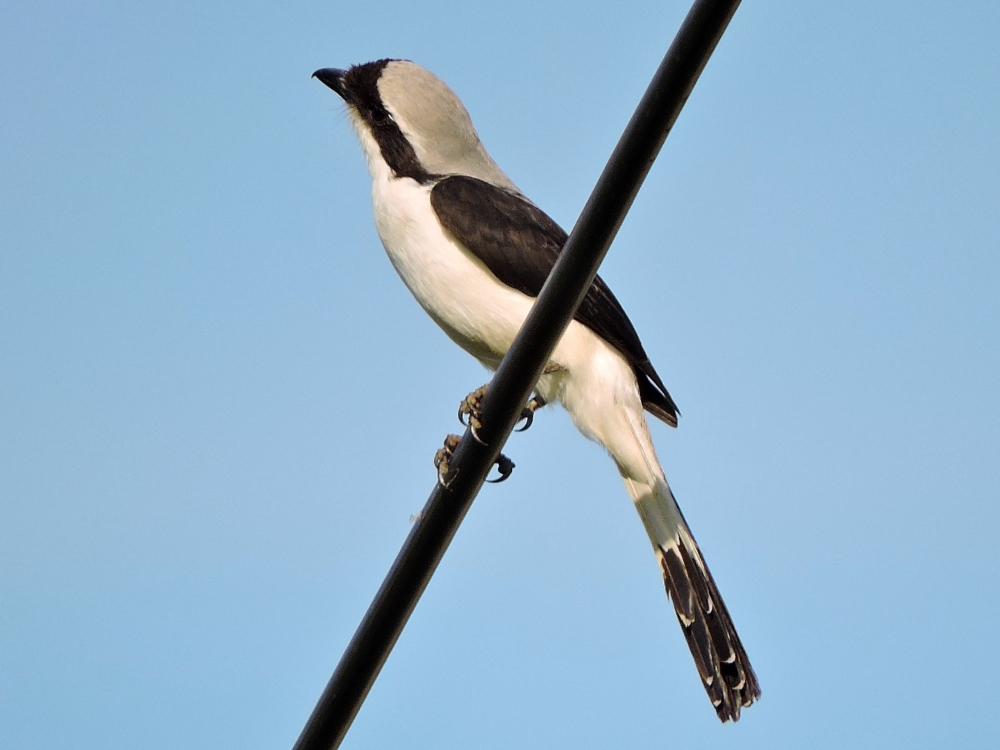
218	405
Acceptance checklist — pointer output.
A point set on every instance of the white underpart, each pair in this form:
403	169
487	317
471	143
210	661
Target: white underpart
482	315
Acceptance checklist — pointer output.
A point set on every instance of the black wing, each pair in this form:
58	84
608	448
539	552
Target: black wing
519	243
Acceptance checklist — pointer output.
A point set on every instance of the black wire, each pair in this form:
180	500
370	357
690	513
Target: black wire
516	377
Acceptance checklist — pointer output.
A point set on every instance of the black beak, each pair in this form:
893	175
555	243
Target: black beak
334	78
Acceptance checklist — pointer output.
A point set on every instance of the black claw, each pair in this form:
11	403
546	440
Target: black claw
470	409
465	413
528	413
505	466
442	459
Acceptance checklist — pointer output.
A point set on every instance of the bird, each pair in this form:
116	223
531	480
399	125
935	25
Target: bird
475	251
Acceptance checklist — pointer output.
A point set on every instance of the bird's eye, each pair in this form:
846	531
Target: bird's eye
380	116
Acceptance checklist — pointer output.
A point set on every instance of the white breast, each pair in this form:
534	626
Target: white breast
474	308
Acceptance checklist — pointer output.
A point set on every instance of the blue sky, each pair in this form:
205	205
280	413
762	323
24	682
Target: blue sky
218	405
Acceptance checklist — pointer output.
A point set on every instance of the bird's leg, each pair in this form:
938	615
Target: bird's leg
443	457
442	460
535	403
505	466
470	415
470	410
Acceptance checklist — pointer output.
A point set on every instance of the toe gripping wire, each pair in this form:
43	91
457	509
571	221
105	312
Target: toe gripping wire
470	414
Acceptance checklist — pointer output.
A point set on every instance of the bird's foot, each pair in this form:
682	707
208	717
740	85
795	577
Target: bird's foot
505	466
442	461
470	411
528	413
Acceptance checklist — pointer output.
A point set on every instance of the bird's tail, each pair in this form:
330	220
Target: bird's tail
718	653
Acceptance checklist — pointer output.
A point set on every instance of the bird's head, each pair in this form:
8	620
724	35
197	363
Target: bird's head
408	118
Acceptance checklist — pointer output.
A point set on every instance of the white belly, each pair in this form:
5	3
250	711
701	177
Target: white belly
474	308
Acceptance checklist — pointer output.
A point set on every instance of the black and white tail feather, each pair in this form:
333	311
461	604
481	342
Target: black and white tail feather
718	653
722	663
